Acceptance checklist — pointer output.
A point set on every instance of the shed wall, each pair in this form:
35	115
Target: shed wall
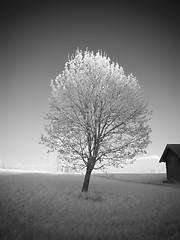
171	165
178	170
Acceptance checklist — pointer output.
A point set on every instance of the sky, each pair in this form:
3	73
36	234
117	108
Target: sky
36	39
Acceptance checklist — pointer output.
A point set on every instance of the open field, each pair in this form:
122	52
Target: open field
48	206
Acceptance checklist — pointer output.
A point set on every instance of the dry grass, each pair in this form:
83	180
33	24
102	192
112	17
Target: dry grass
44	206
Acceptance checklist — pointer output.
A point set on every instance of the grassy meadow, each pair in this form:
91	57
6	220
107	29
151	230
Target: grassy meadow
49	206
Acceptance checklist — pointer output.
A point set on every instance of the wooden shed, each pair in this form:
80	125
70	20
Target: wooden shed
171	156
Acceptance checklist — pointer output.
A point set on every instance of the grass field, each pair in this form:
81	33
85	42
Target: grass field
46	206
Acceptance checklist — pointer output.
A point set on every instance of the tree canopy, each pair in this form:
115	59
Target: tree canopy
98	115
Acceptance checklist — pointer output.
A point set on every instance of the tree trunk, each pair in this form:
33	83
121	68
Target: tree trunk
86	180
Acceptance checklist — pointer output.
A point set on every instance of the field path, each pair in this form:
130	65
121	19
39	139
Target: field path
152	179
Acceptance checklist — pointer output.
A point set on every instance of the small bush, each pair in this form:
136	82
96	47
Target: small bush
91	196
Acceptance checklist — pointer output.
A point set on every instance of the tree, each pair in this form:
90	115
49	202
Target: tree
98	115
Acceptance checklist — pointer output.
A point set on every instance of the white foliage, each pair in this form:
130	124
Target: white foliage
98	114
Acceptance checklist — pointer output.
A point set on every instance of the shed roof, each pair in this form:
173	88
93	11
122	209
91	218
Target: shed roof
174	148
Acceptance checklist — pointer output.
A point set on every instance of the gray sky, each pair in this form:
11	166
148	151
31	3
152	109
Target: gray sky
34	46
